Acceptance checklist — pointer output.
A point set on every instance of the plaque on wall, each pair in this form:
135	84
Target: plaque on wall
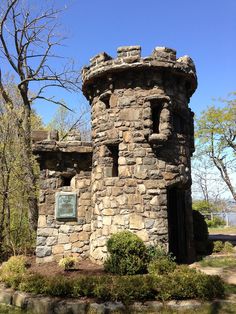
66	206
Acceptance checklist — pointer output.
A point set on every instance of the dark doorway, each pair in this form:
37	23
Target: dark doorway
177	224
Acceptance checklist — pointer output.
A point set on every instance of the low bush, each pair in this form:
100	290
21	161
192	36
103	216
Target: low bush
67	263
161	266
33	283
215	222
200	232
218	246
12	270
127	254
186	283
228	247
182	283
160	262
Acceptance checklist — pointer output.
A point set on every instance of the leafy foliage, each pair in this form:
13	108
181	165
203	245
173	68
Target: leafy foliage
200	232
216	134
218	246
67	262
15	234
228	247
182	283
127	254
12	271
160	262
215	222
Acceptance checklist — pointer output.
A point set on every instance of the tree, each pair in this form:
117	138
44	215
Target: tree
216	136
207	184
15	235
65	121
28	42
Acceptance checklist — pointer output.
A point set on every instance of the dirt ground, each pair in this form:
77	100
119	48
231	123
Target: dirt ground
85	267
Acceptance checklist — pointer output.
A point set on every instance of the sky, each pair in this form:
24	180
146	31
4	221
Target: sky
204	29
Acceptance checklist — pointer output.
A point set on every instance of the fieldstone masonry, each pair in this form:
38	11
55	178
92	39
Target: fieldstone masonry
136	173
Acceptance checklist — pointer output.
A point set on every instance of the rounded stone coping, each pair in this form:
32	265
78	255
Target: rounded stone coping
63	146
46	305
129	57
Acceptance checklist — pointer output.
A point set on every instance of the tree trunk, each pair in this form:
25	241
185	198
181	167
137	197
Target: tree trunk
28	160
224	175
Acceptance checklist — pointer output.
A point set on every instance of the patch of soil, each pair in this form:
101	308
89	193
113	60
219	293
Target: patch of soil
85	267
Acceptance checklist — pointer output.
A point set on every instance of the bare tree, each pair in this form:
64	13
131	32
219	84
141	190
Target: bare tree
28	42
65	121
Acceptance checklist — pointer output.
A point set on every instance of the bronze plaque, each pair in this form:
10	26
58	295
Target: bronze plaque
66	205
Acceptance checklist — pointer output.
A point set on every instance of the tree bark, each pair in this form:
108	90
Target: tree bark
28	159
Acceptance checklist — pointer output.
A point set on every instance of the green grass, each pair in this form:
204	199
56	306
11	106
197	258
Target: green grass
218	262
222	230
6	309
230	289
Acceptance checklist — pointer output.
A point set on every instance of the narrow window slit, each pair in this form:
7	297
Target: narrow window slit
114	156
156	107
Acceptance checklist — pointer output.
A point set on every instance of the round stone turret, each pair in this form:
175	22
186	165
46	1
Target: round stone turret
142	132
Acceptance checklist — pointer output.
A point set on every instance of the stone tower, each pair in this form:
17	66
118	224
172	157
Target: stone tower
142	133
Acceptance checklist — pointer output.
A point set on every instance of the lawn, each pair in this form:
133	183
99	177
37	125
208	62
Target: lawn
222	230
218	262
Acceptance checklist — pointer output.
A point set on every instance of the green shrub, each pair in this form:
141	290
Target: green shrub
127	254
186	283
215	222
218	246
160	262
156	252
182	283
67	262
12	270
92	286
228	247
33	283
200	232
131	288
59	286
161	266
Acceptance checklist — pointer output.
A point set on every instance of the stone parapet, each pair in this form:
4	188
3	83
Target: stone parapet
63	146
129	57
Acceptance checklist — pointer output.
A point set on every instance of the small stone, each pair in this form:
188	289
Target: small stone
154	201
136	221
51	241
42	251
42	221
107	220
58	249
66	229
41	241
67	247
63	238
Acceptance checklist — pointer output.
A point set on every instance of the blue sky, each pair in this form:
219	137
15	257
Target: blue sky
204	29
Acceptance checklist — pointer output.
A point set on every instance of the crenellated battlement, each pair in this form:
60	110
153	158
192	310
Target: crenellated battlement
129	57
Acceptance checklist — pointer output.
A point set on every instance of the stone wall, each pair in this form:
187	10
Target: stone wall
60	160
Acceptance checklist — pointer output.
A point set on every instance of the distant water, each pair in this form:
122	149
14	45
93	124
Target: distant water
231	218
